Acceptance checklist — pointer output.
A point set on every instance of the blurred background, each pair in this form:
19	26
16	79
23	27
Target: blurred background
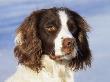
97	14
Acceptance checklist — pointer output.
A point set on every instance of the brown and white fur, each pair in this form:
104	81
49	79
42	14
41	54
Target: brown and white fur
50	45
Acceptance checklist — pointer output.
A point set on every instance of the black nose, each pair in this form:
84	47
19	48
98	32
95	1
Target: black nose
68	42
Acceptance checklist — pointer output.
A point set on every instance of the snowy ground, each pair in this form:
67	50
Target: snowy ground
97	13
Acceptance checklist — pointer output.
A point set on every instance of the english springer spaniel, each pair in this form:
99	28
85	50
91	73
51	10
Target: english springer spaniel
51	44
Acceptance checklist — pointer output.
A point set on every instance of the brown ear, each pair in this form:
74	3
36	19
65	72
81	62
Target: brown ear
84	53
28	50
83	42
83	58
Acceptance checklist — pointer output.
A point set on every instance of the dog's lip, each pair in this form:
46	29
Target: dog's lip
57	57
54	57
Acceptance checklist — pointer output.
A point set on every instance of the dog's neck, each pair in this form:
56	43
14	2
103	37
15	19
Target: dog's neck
52	71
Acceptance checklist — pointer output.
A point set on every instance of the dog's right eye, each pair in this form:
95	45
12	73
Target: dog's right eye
50	28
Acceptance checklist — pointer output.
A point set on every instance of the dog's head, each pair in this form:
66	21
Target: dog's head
57	32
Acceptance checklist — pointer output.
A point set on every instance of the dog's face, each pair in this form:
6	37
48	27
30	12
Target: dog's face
57	32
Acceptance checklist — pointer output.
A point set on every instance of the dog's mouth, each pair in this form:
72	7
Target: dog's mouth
62	57
68	54
54	57
57	57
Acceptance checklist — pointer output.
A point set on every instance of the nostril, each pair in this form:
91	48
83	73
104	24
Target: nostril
69	43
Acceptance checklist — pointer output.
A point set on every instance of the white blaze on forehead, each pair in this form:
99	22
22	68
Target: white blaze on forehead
63	33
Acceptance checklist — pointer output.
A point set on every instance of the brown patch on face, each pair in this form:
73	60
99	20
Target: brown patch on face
48	30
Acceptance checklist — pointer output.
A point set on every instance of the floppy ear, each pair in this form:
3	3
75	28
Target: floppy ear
83	58
28	48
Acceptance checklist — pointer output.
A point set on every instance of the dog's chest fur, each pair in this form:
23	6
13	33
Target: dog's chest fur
52	72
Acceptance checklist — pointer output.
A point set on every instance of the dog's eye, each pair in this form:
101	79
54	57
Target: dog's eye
51	28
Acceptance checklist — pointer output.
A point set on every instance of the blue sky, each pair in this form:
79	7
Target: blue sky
97	14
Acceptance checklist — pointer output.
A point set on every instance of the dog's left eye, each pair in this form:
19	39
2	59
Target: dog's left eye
50	28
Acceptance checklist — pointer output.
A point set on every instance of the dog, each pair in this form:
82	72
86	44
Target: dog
51	44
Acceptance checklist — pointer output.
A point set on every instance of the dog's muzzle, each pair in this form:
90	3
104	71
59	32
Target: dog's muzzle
67	49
